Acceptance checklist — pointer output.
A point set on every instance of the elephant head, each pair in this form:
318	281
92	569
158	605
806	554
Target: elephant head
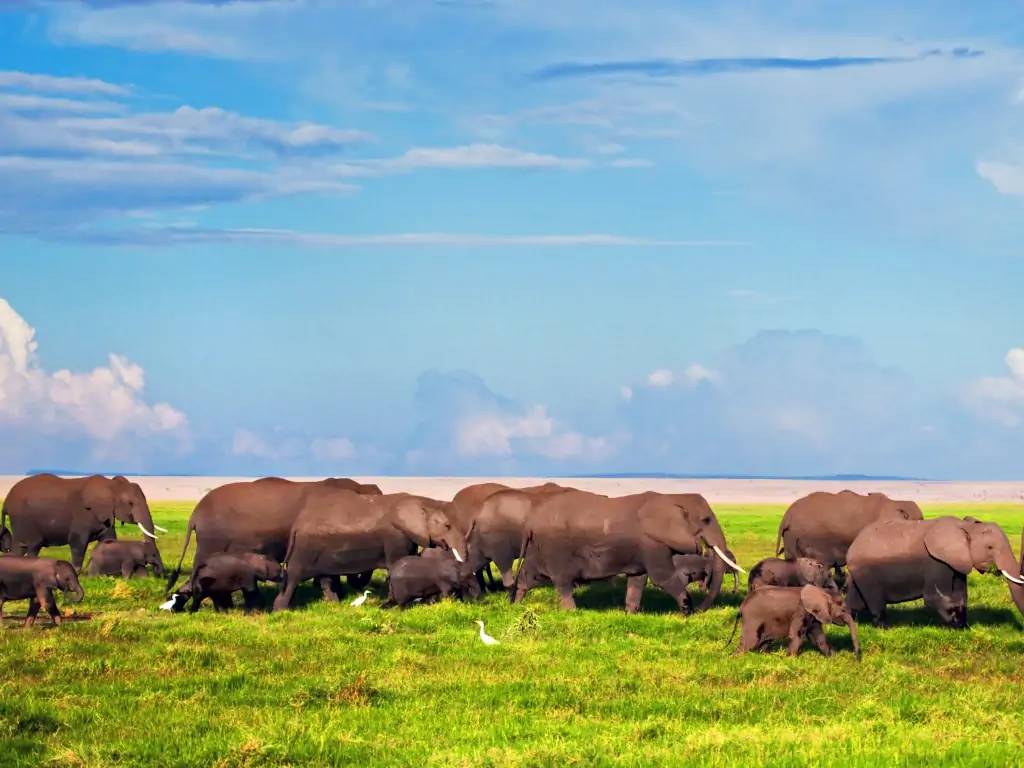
427	523
130	506
152	555
268	569
829	608
972	544
66	580
815	572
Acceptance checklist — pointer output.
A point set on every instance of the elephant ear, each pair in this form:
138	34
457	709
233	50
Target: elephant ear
98	501
816	602
948	542
410	518
666	522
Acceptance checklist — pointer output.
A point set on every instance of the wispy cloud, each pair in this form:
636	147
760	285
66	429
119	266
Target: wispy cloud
465	157
703	67
30	81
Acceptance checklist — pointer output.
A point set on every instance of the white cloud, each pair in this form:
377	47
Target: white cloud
465	157
332	448
1007	178
626	392
295	450
662	377
696	373
1001	398
631	162
85	86
103	407
530	432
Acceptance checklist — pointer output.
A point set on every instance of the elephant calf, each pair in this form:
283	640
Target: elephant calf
34	579
125	558
776	572
770	614
431	574
222	574
696	569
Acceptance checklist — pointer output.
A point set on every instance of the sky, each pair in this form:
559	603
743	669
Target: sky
497	237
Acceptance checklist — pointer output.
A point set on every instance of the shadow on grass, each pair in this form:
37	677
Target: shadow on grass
611	595
922	616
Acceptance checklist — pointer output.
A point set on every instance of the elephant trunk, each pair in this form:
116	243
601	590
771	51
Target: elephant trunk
714	584
853	636
74	592
1011	571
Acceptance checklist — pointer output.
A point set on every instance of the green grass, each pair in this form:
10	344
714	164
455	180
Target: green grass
332	685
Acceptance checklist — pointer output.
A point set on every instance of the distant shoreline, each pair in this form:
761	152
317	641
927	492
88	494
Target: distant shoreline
716	490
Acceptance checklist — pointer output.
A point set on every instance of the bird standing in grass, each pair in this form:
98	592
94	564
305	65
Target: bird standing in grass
169	605
484	637
361	599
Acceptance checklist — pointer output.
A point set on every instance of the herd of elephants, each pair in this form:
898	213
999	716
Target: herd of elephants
838	555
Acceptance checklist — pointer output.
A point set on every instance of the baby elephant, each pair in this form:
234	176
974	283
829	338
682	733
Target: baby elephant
34	579
222	574
775	572
125	558
431	574
794	613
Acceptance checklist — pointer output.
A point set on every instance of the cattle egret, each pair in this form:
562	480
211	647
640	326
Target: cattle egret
360	600
169	605
484	637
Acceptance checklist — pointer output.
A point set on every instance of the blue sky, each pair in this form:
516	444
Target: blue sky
513	237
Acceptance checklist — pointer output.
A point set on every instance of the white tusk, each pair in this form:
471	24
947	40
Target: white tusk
143	529
458	557
1014	579
722	555
158	528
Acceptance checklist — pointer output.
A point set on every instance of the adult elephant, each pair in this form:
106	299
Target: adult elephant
576	537
822	526
254	516
899	560
346	533
496	533
50	511
466	503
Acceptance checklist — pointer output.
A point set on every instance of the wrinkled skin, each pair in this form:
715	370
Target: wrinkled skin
432	574
774	572
897	561
125	558
346	533
223	574
575	537
496	533
822	525
35	579
254	516
51	511
793	614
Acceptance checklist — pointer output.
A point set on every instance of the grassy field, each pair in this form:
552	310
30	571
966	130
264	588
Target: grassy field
334	685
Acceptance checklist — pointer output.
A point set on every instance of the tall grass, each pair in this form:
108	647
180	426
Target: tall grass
327	684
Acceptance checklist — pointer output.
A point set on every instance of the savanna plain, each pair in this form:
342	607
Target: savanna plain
122	683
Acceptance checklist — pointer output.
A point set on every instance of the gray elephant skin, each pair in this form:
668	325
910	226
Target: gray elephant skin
775	572
434	573
50	511
347	533
35	579
792	614
125	558
576	537
823	525
224	574
900	560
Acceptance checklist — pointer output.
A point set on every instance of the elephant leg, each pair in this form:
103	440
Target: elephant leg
127	569
30	550
33	611
291	581
659	568
2	601
863	595
750	637
817	635
635	592
565	598
78	543
51	608
359	581
222	601
252	600
331	587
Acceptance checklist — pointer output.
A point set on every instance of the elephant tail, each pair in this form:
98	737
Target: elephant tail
6	539
522	561
780	547
736	623
291	547
177	570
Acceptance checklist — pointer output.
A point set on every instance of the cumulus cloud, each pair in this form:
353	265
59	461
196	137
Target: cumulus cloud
98	414
1001	398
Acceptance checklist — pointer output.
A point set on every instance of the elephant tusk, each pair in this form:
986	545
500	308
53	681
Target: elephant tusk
158	528
725	557
1014	579
143	529
458	557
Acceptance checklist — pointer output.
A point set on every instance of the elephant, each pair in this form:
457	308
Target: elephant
496	532
50	511
125	558
823	525
344	532
770	614
575	537
899	560
254	516
34	579
466	503
222	574
699	568
431	574
773	572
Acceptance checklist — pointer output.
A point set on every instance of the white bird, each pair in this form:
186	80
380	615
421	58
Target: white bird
169	605
484	637
360	600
